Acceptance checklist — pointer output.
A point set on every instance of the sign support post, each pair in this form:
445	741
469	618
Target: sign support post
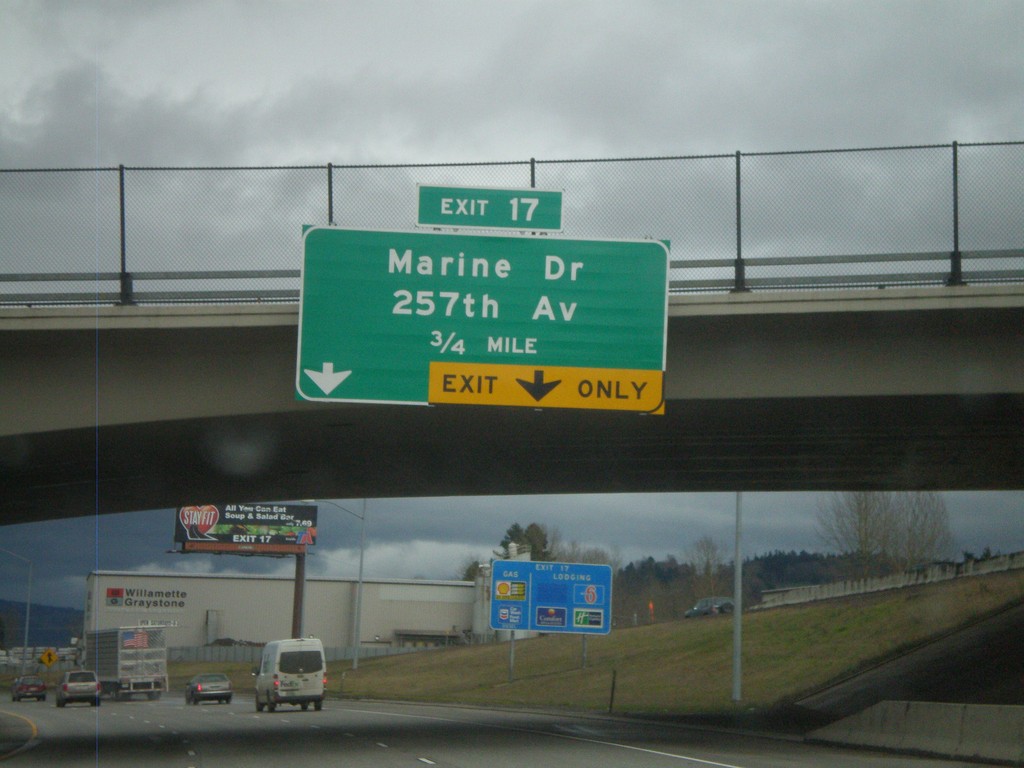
512	657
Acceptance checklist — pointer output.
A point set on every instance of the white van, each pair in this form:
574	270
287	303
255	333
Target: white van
291	672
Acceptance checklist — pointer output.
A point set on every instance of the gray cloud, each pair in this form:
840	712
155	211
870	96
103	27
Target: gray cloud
264	83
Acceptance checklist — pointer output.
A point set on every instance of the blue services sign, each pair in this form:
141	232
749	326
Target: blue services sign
551	597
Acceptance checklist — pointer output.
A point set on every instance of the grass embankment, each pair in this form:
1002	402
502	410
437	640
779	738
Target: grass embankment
682	667
686	667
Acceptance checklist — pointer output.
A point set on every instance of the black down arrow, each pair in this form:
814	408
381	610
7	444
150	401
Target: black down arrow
538	388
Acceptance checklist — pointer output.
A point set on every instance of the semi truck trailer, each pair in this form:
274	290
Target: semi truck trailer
128	660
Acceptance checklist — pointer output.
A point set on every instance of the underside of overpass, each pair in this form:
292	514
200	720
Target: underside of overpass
129	408
353	451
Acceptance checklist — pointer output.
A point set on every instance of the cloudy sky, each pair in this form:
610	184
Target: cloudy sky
221	83
87	84
435	538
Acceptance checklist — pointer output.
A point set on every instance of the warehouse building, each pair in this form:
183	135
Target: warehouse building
202	609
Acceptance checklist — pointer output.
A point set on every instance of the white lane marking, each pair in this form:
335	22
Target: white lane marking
697	760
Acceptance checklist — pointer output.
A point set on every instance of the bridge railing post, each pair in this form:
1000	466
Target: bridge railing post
330	194
740	278
956	266
126	278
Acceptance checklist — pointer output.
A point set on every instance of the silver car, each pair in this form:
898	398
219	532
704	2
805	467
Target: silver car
208	686
78	685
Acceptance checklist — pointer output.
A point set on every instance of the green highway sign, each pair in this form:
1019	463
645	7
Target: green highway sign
490	208
429	317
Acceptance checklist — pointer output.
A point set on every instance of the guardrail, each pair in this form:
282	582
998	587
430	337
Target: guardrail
121	288
930	215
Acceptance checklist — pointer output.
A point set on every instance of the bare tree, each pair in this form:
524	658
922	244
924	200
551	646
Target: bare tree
859	524
574	552
921	529
885	530
706	560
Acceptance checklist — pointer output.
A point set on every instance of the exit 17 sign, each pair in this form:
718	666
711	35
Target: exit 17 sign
551	597
429	317
490	208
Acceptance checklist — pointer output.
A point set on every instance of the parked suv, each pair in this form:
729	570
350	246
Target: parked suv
28	687
710	606
79	685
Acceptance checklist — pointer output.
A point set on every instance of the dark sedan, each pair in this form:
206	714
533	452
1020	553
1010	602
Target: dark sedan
28	687
710	606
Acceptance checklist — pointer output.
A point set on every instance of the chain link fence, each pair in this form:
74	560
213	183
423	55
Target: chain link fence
896	216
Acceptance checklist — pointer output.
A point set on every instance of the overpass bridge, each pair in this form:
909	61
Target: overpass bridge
119	408
140	367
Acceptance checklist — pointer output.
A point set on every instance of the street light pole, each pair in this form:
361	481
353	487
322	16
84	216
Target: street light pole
28	603
737	612
359	589
356	630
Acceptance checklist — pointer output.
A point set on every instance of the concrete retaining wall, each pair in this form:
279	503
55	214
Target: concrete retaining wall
933	573
965	731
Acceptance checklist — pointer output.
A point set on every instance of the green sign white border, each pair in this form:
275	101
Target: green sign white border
301	395
508	228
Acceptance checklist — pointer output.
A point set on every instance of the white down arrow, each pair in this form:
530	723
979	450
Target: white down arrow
326	378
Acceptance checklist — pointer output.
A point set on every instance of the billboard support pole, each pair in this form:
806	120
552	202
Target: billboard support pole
300	591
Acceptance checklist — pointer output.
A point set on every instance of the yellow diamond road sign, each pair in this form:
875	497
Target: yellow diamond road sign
550	386
49	657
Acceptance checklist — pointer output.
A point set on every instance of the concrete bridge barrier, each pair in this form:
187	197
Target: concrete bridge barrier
963	731
773	598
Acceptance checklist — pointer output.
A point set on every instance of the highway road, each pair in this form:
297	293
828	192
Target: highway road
169	734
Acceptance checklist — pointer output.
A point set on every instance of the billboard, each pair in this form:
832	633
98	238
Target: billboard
248	529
